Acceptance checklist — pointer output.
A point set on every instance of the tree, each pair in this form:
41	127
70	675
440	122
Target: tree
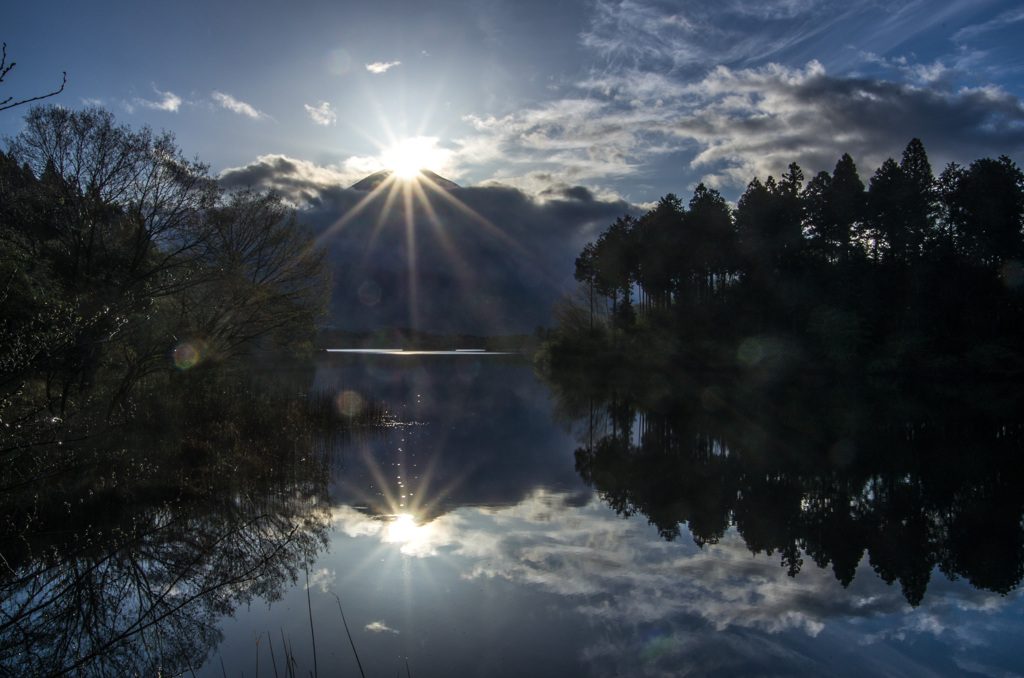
769	223
123	207
616	261
984	210
919	202
586	273
834	210
661	251
903	206
271	280
9	102
708	230
887	232
115	229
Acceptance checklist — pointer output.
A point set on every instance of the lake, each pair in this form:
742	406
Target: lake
494	525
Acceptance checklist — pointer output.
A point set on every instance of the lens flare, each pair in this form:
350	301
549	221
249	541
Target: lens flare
654	645
1012	273
188	354
339	62
369	293
751	351
349	403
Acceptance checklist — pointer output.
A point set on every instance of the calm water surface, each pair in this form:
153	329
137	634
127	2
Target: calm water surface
464	542
497	527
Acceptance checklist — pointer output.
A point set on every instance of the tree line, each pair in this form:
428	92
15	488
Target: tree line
912	271
120	258
844	473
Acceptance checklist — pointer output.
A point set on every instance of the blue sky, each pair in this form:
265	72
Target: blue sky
629	99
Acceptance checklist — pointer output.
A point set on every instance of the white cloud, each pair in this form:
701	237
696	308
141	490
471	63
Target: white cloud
379	67
757	121
1000	22
573	140
731	125
703	600
169	101
322	579
380	627
322	114
298	181
235	106
688	39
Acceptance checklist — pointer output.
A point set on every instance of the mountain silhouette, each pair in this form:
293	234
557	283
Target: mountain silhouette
371	182
484	260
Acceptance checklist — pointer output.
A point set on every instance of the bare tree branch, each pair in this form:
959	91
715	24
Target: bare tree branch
5	69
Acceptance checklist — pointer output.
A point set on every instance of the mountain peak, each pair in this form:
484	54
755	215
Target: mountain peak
371	182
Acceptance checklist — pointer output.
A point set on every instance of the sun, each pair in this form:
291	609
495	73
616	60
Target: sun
401	528
407	157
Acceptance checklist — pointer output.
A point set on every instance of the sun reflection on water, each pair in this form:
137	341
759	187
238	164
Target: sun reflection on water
402	528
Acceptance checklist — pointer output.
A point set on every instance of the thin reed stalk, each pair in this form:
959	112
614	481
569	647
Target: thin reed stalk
270	642
309	606
351	642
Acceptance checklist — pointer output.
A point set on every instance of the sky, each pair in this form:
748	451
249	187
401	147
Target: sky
629	99
611	103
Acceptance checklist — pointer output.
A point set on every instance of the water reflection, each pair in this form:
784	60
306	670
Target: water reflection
461	534
673	565
916	476
465	432
126	563
621	601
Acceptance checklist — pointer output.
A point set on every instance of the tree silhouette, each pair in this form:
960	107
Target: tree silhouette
834	211
826	473
6	68
912	274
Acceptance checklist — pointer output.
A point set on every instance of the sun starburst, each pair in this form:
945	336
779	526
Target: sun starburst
408	156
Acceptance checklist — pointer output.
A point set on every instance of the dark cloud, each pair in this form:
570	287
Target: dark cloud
481	260
580	193
755	122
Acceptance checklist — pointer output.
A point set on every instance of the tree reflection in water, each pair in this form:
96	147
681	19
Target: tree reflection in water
124	564
916	476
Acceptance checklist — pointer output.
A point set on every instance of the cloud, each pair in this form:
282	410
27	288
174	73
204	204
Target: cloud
168	102
754	122
379	67
717	610
380	627
235	106
685	40
1000	22
299	181
574	139
322	579
731	125
725	95
322	114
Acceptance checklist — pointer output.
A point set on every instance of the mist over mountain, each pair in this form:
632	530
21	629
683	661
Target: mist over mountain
434	256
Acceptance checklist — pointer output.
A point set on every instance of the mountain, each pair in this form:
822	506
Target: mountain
374	180
437	261
483	260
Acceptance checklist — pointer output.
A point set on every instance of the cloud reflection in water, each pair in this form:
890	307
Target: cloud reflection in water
661	604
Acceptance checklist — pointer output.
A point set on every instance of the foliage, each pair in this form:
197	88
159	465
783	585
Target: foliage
121	259
122	553
915	273
902	476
